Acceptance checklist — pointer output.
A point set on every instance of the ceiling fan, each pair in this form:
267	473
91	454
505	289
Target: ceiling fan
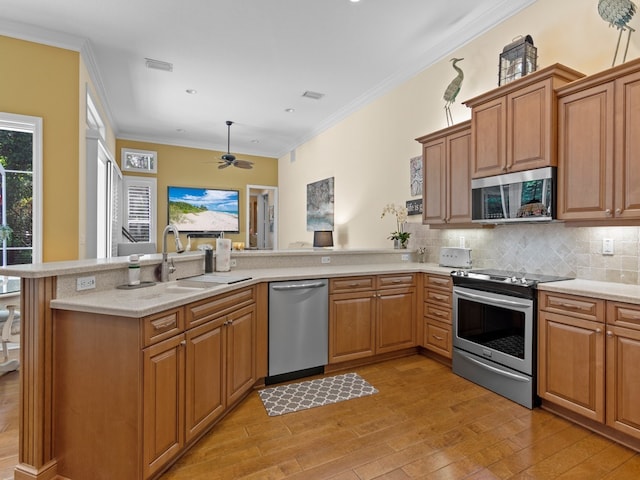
228	158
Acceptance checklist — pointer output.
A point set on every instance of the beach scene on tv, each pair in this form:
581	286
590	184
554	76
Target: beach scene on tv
203	209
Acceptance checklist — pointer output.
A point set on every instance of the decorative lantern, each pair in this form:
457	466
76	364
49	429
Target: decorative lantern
517	59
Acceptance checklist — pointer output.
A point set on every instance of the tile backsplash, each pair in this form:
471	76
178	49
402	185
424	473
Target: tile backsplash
553	249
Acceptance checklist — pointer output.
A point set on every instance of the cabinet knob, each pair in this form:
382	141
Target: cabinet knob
607	212
618	211
598	330
609	333
183	343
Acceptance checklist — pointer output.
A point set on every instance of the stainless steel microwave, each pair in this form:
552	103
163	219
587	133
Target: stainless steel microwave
527	196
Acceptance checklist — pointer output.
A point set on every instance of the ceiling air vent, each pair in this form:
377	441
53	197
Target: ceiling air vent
313	95
158	65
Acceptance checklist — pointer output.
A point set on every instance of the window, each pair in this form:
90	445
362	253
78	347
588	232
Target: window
140	207
21	193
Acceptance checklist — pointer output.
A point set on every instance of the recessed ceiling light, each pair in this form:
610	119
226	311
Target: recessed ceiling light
158	65
191	91
289	110
255	140
354	1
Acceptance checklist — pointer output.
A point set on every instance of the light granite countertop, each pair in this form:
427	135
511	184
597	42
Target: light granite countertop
140	302
619	292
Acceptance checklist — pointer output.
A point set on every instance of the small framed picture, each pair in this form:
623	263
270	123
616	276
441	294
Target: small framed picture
140	161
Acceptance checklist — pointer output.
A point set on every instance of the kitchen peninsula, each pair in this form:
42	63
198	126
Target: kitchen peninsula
102	354
109	354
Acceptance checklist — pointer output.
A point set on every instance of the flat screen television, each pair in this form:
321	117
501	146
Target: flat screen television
204	210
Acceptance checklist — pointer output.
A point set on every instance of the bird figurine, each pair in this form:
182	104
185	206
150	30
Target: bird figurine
452	90
618	13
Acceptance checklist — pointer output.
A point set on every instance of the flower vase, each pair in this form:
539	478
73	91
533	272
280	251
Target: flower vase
404	244
396	243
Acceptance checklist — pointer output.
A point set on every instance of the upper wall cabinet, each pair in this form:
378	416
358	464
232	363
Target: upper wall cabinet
513	127
599	146
446	196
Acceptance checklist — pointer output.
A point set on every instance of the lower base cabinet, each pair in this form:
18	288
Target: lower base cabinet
588	360
133	393
371	315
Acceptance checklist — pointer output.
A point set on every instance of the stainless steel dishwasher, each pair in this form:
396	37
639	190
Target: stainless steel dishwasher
298	329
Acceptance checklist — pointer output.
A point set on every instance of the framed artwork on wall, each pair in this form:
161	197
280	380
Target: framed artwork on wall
139	161
415	170
320	205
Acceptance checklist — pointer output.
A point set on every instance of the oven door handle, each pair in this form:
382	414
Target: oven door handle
495	301
513	376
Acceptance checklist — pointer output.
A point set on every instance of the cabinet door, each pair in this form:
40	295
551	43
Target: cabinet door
529	128
627	167
163	403
459	177
396	320
571	363
434	170
489	143
623	380
205	396
351	326
585	150
241	335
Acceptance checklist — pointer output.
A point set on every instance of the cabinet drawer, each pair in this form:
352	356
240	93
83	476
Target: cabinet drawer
437	337
623	315
576	306
351	284
438	281
437	313
439	297
162	326
387	281
201	312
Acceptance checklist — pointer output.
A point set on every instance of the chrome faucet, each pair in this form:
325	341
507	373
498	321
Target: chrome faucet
167	266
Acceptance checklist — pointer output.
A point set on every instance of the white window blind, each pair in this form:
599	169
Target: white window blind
140	207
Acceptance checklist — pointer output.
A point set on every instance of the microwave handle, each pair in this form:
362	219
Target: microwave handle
496	301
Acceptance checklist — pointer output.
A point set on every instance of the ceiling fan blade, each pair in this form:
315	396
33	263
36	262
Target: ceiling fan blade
224	165
243	164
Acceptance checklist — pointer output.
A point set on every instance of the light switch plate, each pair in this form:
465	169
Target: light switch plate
607	246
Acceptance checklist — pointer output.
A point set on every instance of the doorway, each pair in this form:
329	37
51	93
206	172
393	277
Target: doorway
262	217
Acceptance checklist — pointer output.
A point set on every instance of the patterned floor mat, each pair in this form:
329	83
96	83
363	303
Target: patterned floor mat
314	393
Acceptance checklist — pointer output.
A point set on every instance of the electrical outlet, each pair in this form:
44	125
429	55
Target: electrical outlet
233	263
607	246
404	257
326	260
85	283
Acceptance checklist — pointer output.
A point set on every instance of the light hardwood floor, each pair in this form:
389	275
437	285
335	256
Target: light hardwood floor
425	423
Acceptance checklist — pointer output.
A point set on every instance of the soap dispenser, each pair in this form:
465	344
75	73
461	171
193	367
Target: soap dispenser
134	270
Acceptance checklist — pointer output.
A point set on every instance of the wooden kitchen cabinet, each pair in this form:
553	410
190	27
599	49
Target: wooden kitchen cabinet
598	146
369	315
220	356
571	349
447	175
153	385
623	376
513	127
163	403
437	314
589	366
396	313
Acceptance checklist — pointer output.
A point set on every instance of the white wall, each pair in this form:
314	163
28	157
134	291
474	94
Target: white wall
368	153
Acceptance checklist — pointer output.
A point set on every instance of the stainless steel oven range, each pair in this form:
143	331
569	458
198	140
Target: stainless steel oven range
494	331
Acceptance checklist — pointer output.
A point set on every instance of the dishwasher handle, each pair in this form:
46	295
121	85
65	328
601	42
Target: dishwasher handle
298	286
